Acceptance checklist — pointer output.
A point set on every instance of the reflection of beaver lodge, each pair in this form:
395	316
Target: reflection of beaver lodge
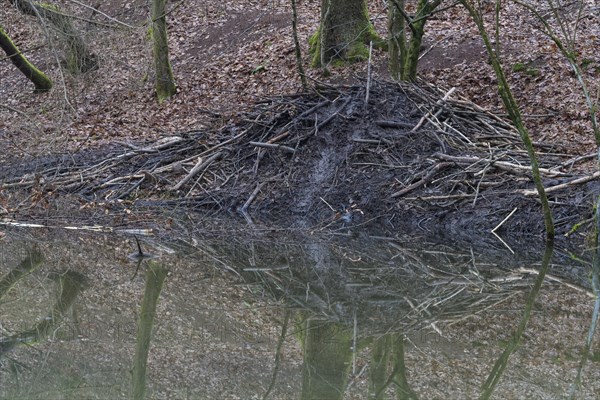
414	158
390	285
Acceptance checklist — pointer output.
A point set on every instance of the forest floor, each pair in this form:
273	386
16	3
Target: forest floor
234	61
240	140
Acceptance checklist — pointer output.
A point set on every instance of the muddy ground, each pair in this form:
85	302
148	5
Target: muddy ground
405	162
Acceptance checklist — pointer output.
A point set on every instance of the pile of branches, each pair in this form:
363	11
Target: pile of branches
408	144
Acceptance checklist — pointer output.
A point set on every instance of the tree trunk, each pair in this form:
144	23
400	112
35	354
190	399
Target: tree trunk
344	33
397	39
403	50
165	82
78	58
40	80
515	116
297	47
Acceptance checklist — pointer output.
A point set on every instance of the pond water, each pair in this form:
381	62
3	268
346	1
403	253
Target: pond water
284	316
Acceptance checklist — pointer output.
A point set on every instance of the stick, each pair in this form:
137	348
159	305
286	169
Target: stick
332	116
273	146
504	220
328	205
439	102
510	167
503	242
251	198
393	124
368	76
200	165
95	228
279	137
169	167
550	277
313	109
577	181
424	180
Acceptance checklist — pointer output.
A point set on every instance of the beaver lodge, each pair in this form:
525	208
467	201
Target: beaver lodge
393	158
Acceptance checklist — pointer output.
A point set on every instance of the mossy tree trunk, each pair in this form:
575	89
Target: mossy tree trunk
404	50
40	80
397	39
78	57
165	82
514	114
344	33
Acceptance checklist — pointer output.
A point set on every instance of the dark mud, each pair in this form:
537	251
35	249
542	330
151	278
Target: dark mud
325	161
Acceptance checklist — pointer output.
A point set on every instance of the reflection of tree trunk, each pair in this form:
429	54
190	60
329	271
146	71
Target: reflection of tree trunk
40	80
155	277
79	58
403	388
165	82
69	285
378	367
33	261
390	344
494	377
585	354
282	337
327	358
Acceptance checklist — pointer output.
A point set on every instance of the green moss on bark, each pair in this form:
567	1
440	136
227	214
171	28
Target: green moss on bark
344	34
165	82
40	80
78	57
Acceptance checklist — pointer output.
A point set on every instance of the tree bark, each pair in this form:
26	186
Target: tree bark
78	58
344	33
514	114
165	82
297	47
40	80
397	39
404	51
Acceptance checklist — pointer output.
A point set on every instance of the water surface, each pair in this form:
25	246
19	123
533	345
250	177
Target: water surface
283	316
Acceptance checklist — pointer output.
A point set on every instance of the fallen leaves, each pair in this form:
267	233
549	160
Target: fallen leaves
228	54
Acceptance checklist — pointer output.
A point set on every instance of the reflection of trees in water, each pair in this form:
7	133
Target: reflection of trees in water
68	285
498	370
155	276
33	261
356	295
329	348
